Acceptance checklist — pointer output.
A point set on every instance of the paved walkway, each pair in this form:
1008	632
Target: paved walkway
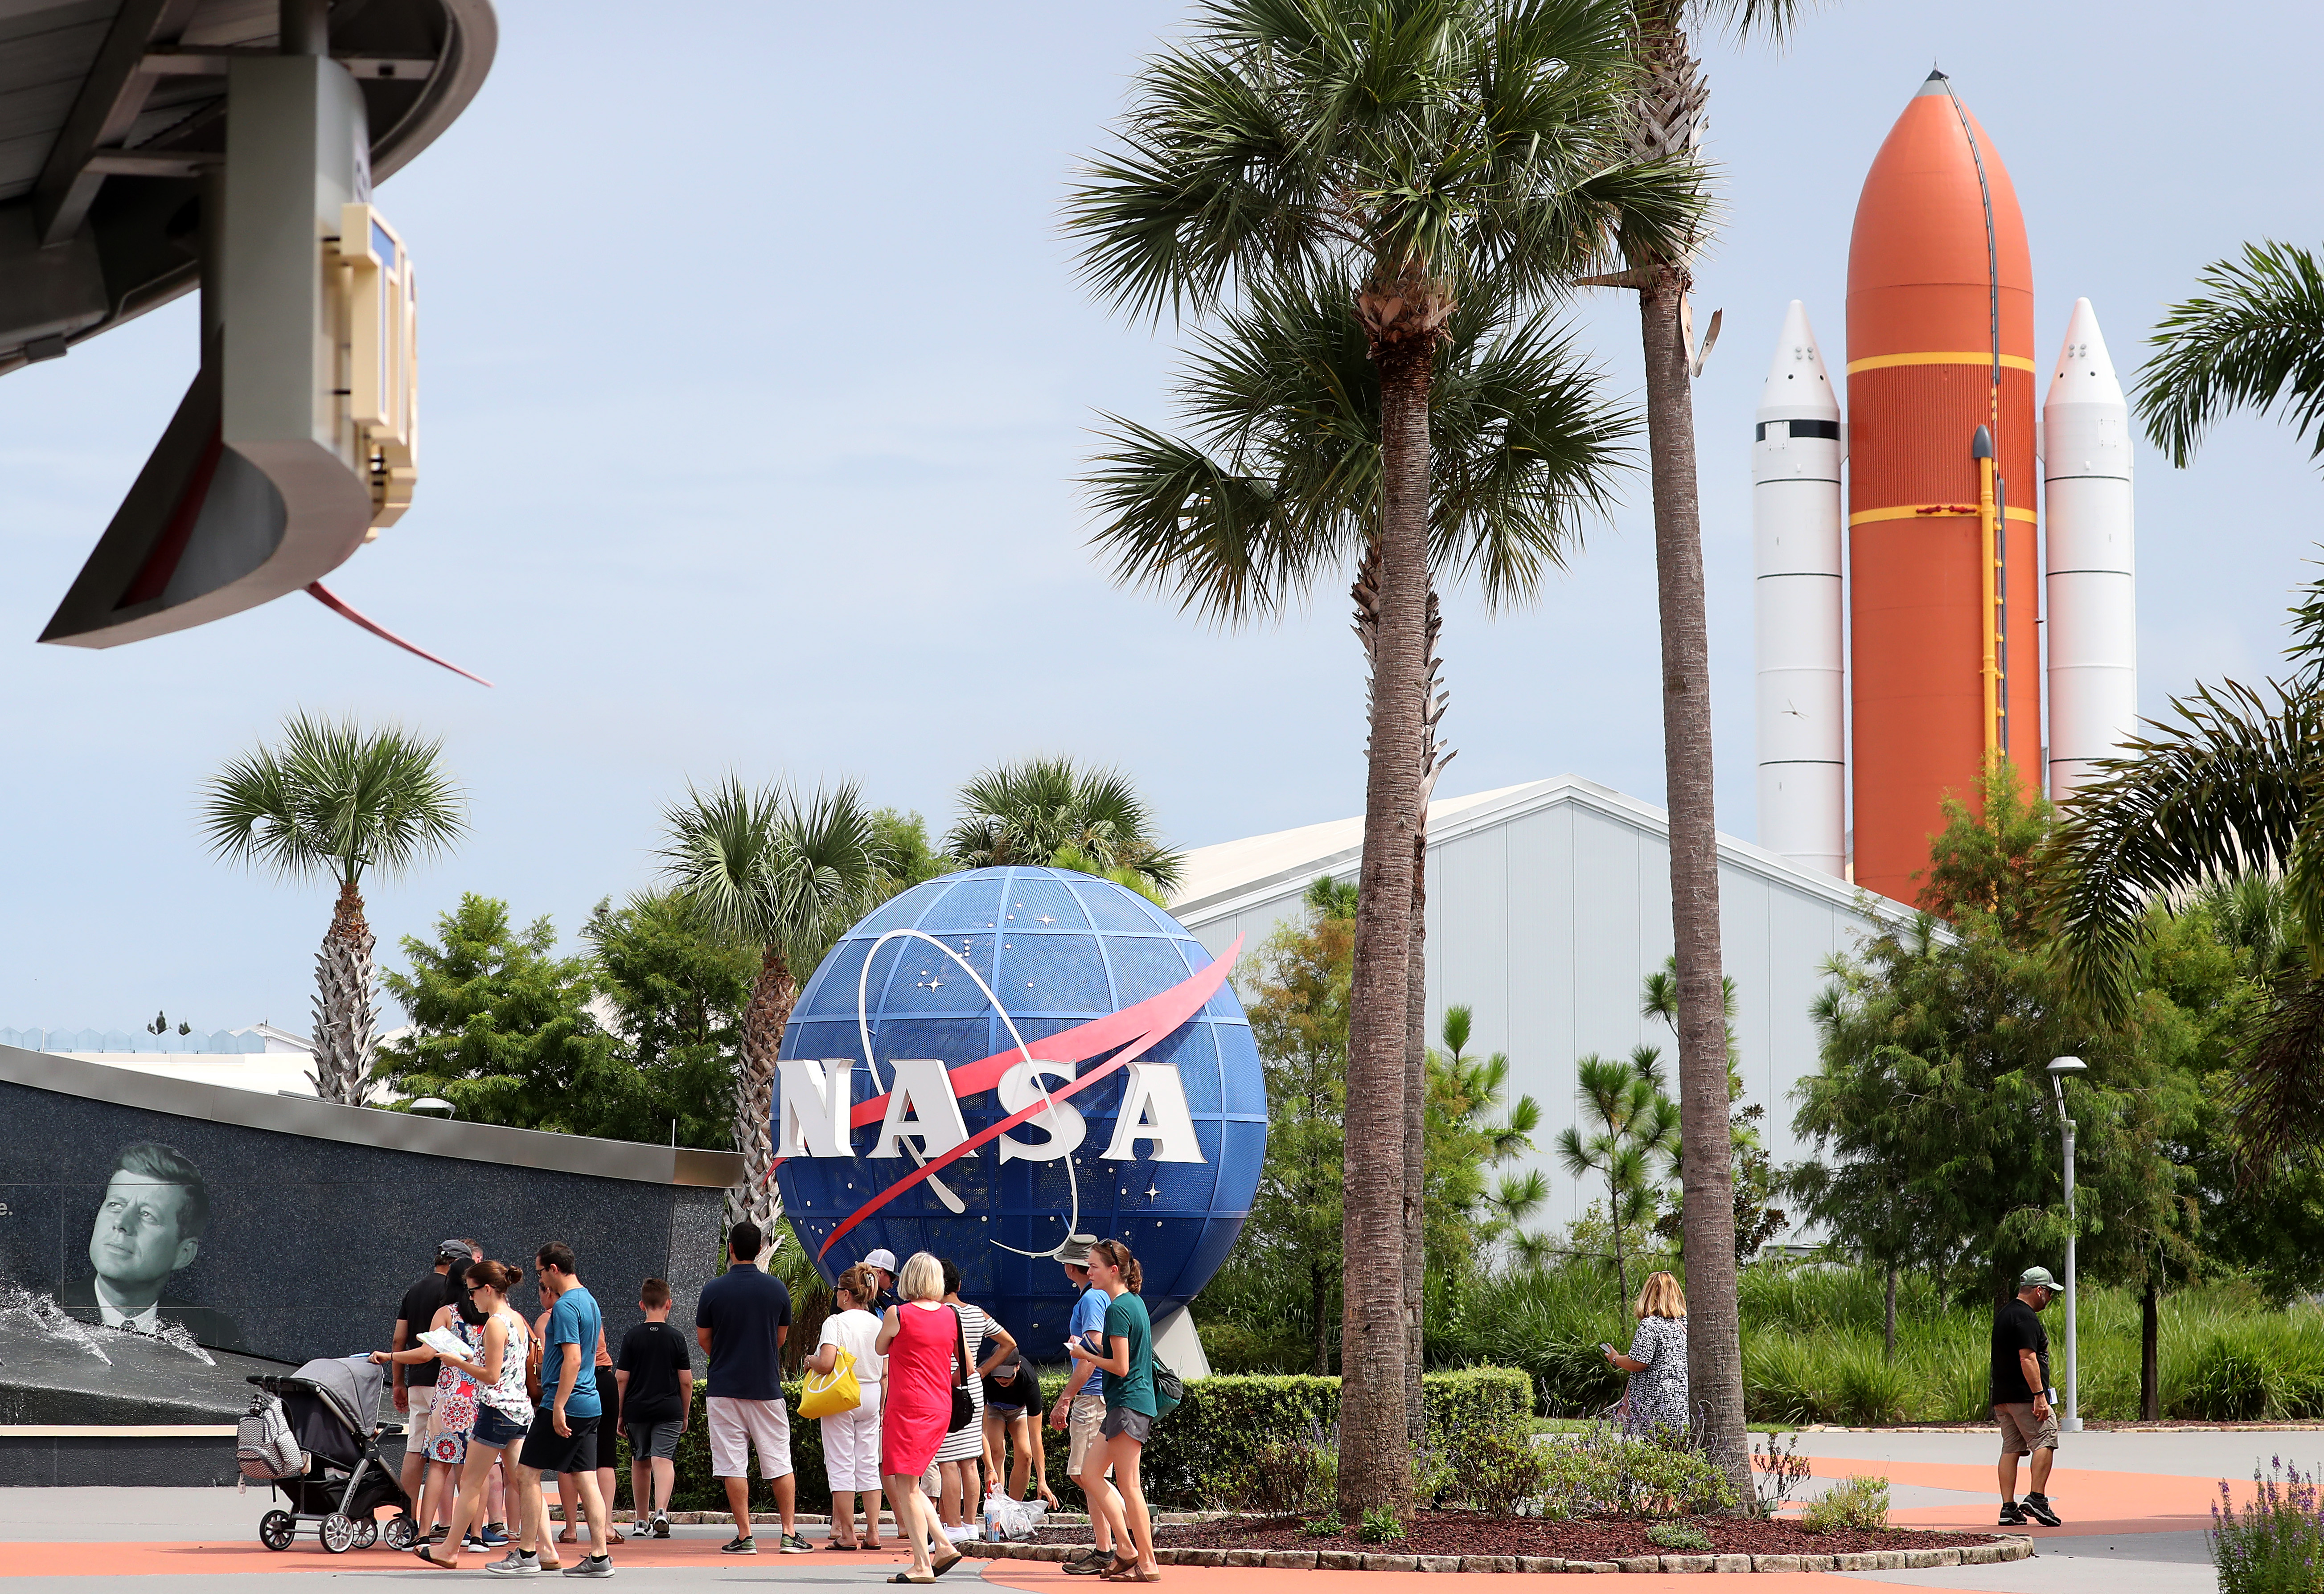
2136	1507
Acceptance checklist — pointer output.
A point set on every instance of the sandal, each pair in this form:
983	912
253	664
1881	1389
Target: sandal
905	1577
1120	1569
566	1538
421	1554
947	1563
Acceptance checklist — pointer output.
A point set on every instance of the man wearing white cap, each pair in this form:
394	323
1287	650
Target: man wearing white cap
883	1263
2021	1396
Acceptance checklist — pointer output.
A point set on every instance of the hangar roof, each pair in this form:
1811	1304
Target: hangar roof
1219	878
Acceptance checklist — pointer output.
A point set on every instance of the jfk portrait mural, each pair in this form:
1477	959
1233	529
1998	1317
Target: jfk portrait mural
147	1229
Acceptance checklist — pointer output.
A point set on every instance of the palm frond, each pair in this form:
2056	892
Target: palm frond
1034	810
2230	788
771	868
1280	478
332	797
2254	338
1298	141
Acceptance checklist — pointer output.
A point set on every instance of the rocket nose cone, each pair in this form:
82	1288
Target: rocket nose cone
1798	387
2084	374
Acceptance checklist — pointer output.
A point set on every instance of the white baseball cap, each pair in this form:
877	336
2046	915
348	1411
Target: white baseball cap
884	1260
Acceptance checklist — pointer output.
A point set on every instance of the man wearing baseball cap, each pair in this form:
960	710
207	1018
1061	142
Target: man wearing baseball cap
414	1383
883	1263
2021	1396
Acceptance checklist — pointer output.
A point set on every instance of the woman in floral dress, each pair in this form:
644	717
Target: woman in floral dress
1656	1402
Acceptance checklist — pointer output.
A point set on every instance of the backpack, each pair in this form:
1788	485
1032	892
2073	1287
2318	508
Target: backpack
1169	1389
264	1447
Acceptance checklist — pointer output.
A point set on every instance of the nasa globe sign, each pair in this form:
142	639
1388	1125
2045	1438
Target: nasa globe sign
998	1060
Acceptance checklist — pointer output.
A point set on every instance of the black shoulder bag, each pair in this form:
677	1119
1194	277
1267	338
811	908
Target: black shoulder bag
962	1406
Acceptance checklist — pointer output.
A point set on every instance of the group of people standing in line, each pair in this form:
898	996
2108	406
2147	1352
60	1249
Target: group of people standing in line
518	1408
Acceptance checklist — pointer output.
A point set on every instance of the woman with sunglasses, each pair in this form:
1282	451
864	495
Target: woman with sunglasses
1126	1357
503	1408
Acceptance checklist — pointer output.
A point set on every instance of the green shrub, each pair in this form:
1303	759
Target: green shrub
1547	1323
1496	1472
1839	1376
1599	1470
1285	1477
1324	1527
2227	1383
2276	1544
1381	1526
1204	1452
1861	1504
1678	1535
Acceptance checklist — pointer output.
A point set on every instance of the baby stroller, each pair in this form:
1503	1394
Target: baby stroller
310	1436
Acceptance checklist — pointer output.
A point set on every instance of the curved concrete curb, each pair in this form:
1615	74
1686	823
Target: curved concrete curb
2011	1549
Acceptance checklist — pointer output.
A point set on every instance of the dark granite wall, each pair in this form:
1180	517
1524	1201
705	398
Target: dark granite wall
311	1242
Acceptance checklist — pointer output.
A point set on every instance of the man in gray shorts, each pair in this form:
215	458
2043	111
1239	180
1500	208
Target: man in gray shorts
2021	1396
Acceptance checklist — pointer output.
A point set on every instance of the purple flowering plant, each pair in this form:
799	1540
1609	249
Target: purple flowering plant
2275	1544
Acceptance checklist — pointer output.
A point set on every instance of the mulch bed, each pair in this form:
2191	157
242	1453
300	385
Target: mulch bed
1469	1533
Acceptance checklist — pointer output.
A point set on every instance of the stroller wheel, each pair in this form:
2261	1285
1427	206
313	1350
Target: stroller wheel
401	1531
276	1529
366	1533
338	1533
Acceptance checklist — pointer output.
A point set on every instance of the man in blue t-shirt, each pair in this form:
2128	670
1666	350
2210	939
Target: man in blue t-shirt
741	1321
1081	1407
563	1438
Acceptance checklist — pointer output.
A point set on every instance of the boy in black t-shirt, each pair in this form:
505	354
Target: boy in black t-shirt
655	1372
2021	1396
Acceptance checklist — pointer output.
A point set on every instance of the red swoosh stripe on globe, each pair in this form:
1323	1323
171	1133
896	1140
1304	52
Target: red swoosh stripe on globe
1130	1030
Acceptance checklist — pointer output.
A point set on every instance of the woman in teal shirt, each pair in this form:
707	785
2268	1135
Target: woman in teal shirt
1128	1364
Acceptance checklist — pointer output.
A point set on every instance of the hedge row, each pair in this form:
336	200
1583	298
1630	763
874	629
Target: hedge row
1199	1455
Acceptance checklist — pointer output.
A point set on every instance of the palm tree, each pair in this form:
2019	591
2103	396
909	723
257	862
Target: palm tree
1045	811
1279	480
1670	100
332	798
1634	1123
1461	1090
1406	153
2255	337
786	875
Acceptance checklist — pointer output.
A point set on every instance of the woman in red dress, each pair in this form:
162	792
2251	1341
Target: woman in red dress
916	1337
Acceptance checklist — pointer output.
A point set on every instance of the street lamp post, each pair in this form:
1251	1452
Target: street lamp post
2070	1419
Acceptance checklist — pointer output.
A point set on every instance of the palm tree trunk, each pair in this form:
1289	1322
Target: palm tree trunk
1714	1334
756	1197
1319	1294
1415	1134
1403	316
1365	592
345	1040
1433	757
1614	1224
1888	1327
1668	123
2150	1370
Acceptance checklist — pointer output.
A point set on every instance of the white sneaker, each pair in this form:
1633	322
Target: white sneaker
516	1563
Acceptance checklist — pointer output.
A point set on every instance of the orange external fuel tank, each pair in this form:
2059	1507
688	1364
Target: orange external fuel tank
1944	574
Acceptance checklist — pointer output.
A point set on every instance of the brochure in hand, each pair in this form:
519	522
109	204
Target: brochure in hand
445	1342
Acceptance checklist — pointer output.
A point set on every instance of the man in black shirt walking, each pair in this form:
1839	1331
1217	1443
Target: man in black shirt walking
2021	1396
414	1383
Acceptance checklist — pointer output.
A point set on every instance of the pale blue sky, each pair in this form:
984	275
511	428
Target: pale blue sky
754	381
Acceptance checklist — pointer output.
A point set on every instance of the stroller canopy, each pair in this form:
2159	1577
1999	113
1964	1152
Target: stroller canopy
349	1385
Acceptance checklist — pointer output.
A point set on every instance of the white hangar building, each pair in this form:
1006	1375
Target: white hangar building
1548	906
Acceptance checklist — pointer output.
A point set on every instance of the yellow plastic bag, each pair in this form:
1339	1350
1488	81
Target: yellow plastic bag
828	1395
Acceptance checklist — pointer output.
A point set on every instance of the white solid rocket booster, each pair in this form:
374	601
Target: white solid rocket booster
1795	541
2093	619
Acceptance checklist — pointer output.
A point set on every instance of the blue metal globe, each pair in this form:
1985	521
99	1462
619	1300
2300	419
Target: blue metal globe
1060	950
